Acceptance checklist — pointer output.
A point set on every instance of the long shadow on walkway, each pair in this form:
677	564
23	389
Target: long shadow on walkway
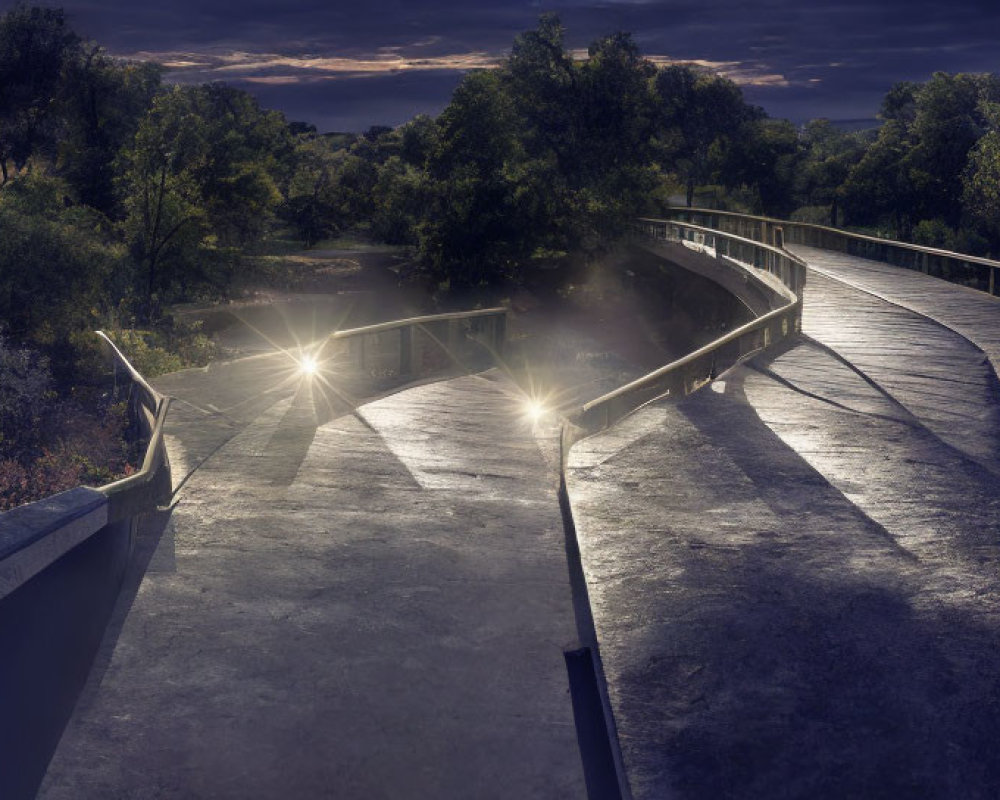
763	637
823	689
840	680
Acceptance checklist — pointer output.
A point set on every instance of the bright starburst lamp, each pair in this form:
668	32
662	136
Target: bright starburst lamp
308	365
534	410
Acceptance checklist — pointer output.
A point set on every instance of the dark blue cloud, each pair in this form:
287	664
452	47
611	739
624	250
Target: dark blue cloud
834	59
354	105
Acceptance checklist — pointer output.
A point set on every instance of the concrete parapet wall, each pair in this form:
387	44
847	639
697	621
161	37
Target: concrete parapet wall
52	619
36	535
758	297
773	282
419	347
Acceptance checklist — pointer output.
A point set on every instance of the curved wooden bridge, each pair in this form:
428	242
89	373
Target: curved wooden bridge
791	575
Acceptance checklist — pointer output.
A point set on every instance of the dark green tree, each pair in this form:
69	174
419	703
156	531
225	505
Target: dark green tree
36	44
946	126
878	188
400	195
827	159
912	174
312	205
248	151
101	103
544	85
701	117
418	140
165	218
614	141
763	160
200	177
981	182
474	234
60	265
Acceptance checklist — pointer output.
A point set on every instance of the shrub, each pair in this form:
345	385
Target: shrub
154	352
934	233
25	399
49	444
193	347
148	358
57	264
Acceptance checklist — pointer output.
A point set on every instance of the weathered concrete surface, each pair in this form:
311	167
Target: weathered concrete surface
794	582
213	404
939	506
762	636
973	314
937	374
376	607
794	577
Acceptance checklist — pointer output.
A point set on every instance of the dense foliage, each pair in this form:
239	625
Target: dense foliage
120	195
550	155
51	442
140	195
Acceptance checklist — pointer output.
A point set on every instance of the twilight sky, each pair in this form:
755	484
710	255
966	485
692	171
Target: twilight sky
346	65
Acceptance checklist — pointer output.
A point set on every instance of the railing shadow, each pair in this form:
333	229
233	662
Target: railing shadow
780	276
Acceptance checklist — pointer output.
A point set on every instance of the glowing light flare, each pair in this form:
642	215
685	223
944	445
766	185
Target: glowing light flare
308	365
537	403
535	410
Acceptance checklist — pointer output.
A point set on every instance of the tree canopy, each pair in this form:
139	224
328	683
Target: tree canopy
168	188
917	178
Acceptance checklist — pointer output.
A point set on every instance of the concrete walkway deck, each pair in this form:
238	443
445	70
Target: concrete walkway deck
794	579
973	314
945	374
375	607
795	576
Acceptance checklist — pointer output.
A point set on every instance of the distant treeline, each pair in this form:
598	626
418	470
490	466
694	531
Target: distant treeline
121	194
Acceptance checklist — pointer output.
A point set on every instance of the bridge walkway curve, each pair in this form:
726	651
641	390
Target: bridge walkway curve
376	606
794	576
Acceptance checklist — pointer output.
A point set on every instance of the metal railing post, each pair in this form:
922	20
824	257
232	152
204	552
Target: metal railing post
945	264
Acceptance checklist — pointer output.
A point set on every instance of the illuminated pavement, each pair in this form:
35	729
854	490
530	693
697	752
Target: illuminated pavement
970	313
374	607
795	577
